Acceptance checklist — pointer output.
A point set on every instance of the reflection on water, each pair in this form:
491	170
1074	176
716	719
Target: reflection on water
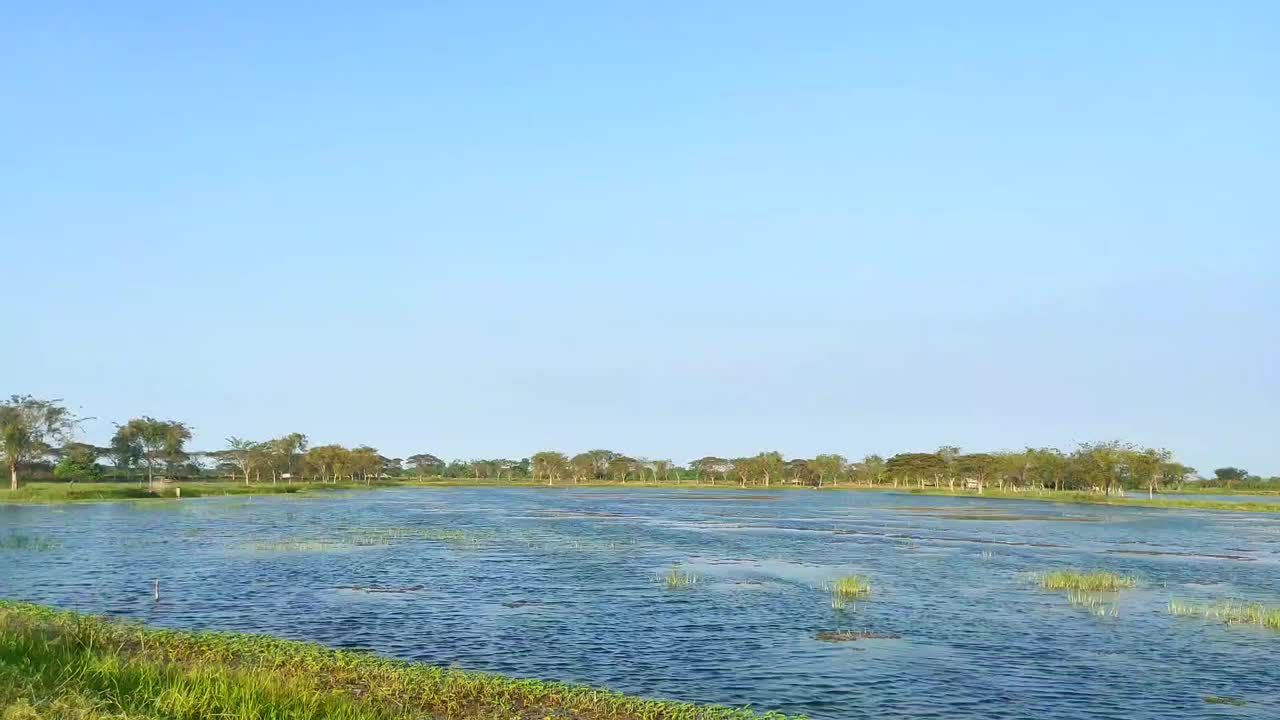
559	584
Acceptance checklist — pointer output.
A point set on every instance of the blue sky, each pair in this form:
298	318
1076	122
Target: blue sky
669	228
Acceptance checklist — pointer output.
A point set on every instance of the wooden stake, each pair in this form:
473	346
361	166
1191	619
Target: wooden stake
157	589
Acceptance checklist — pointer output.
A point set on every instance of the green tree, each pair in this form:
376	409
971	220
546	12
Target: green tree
549	465
244	454
28	427
827	467
1229	475
78	461
158	440
424	464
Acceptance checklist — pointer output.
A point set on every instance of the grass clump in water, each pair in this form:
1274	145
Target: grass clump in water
848	589
1224	700
1230	612
34	543
677	579
1098	604
64	665
1085	581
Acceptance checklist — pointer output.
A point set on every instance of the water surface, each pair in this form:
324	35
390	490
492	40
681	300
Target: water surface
560	584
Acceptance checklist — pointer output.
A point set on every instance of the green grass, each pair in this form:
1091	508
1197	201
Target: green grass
1090	581
57	492
1098	604
1223	700
677	579
56	665
848	589
1071	496
1230	612
34	543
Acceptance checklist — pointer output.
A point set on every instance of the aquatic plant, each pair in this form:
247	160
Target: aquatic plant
848	589
838	636
1098	604
1087	581
34	543
1230	612
1224	700
677	579
67	665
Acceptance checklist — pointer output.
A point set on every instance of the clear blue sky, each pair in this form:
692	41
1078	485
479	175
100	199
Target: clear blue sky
668	228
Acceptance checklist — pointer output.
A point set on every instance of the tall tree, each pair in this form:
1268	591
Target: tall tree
827	467
244	454
28	427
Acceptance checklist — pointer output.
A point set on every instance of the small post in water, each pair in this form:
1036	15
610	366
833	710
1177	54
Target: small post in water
157	589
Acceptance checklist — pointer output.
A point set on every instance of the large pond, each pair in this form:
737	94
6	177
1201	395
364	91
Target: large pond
560	584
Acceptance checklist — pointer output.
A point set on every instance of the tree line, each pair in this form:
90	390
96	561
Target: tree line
38	440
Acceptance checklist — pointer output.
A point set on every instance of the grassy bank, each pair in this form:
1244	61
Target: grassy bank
58	492
1095	499
52	492
63	665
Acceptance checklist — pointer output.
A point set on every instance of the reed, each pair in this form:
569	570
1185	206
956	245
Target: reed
677	579
1230	612
1085	581
848	589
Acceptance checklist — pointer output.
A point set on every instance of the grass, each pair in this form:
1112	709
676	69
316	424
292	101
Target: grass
64	665
677	579
36	543
1223	700
1091	581
1230	612
1098	605
848	589
57	492
839	636
1072	496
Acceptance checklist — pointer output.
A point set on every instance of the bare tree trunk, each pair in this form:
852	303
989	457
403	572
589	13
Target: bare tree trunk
13	476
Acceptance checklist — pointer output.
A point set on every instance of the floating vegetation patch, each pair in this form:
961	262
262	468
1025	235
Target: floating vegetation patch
840	636
677	579
848	589
1230	612
1169	553
1224	700
386	590
371	537
951	513
1085	581
30	543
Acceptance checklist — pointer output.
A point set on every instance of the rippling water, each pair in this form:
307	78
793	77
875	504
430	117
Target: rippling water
560	584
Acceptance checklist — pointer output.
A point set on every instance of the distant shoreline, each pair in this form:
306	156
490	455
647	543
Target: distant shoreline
57	493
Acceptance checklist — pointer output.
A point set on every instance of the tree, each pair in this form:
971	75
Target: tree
873	467
78	461
158	440
125	449
1148	467
28	426
1229	475
827	466
244	454
977	466
285	452
425	464
550	465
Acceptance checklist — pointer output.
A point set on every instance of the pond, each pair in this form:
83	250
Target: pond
564	584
